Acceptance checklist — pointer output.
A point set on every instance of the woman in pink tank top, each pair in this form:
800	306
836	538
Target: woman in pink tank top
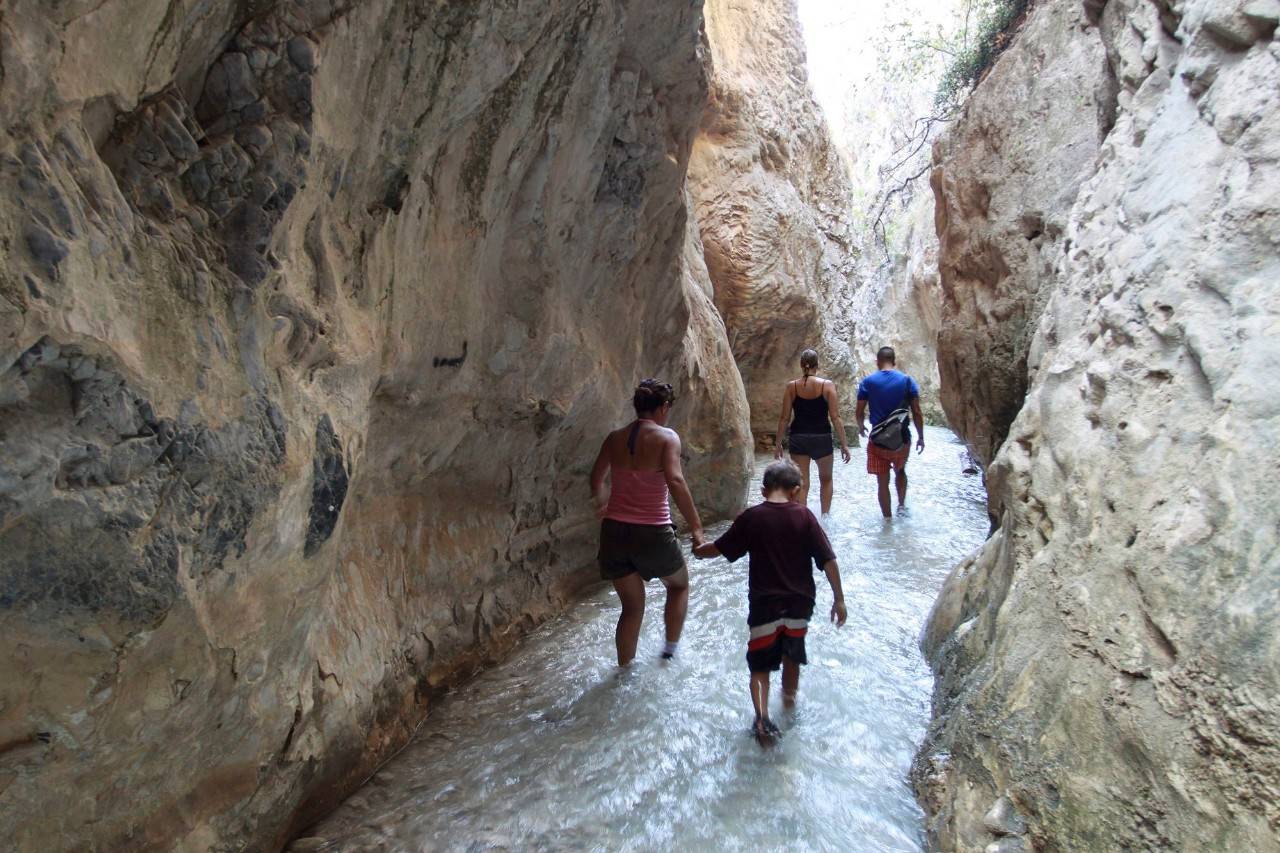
641	463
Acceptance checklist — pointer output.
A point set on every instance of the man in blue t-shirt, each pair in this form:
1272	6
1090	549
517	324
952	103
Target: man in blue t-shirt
886	390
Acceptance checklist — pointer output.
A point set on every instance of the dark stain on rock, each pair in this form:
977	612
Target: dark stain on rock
113	500
623	178
394	195
46	250
329	488
451	361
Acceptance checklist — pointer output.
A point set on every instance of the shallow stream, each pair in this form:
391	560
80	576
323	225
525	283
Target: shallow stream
557	749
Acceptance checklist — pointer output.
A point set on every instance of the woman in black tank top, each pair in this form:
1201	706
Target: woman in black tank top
813	406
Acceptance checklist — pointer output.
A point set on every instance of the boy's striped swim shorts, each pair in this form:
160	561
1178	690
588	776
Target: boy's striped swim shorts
771	641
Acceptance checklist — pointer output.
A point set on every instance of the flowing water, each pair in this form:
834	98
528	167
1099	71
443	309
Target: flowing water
557	749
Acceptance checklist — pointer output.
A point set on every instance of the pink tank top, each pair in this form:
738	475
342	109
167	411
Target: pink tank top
639	497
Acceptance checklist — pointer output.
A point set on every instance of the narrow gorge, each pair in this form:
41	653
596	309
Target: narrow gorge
313	314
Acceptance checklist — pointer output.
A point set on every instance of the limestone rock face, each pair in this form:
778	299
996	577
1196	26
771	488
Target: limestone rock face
771	196
1107	663
1004	178
312	316
898	303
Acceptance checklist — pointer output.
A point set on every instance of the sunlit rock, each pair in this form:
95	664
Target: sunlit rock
772	199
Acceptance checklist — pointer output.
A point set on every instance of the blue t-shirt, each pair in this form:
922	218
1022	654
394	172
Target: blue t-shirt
887	390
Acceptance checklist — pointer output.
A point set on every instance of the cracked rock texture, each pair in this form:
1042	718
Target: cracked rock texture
312	314
772	196
1108	663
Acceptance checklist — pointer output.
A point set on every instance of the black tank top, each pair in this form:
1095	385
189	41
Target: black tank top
810	416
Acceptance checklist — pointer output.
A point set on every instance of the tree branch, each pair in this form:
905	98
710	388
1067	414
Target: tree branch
877	225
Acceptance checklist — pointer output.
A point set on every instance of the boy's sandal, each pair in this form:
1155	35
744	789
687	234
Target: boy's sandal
765	731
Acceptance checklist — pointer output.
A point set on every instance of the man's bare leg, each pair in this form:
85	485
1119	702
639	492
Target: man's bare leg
900	480
677	605
886	507
802	462
790	682
825	482
631	594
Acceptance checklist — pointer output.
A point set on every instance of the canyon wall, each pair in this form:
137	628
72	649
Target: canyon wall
312	316
898	301
1004	177
1107	663
772	197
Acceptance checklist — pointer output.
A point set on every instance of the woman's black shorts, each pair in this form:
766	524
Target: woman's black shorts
649	549
815	446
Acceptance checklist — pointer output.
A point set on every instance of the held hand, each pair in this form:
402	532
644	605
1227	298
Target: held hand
699	538
777	450
838	614
845	455
920	444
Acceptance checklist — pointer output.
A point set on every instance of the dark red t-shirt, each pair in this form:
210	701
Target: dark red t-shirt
785	542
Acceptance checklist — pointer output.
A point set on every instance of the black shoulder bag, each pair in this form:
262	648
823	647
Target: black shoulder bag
891	433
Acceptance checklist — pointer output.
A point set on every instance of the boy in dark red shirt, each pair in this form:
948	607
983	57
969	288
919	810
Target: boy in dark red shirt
782	538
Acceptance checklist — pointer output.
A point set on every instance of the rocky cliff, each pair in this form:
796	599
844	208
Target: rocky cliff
772	198
1107	663
312	314
1004	178
898	301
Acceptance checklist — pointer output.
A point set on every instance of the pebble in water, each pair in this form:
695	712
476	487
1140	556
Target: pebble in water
559	749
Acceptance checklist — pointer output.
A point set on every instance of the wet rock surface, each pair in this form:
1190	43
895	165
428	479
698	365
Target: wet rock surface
312	315
1106	663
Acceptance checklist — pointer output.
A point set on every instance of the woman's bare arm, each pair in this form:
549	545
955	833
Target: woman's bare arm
674	473
782	420
833	406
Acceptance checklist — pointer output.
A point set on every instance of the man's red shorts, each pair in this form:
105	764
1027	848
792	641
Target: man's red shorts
879	460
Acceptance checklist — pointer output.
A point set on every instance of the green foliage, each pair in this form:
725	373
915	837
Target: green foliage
978	49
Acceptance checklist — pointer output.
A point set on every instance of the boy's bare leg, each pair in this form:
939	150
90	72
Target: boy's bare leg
790	682
677	603
631	593
886	507
802	462
824	481
760	694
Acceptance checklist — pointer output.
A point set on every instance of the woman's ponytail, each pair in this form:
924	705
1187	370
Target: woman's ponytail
808	362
